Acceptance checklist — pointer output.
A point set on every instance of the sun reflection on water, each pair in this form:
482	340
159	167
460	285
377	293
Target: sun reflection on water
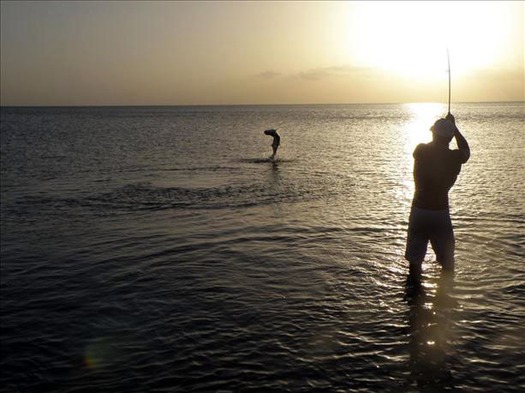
416	131
423	115
432	322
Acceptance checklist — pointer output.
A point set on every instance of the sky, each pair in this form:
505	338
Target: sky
244	52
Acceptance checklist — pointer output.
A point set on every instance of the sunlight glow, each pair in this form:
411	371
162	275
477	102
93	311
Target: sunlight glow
275	52
418	129
411	38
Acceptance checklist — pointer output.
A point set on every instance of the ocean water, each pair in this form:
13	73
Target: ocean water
157	249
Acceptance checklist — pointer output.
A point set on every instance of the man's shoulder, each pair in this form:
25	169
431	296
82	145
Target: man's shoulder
423	146
420	148
430	147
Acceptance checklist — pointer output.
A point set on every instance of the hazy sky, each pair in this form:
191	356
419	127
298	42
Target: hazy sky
178	53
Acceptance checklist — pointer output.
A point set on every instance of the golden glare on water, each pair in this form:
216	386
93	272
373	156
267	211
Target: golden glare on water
423	115
417	130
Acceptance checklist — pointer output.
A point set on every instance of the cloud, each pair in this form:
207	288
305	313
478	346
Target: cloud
320	73
333	71
269	74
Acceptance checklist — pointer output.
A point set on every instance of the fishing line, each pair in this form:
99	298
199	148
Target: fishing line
449	78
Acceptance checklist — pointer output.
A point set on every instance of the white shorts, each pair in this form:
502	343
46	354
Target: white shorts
434	226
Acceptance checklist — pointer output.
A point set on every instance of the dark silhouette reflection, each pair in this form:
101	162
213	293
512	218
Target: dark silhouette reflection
275	176
430	322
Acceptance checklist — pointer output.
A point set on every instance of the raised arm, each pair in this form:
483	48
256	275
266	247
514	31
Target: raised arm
460	140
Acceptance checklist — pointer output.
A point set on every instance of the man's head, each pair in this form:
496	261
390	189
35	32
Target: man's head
443	130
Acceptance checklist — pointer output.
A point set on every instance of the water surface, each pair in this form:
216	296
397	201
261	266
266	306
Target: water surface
158	249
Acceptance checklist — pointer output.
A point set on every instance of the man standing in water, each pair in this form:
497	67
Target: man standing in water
436	169
276	141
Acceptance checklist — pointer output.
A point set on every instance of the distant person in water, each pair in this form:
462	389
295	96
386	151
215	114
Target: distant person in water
276	141
436	169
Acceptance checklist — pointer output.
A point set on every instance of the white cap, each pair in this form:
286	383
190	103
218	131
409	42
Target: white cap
443	128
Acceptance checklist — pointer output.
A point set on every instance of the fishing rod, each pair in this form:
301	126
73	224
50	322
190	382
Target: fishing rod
449	84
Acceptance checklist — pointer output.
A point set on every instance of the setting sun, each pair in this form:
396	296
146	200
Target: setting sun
290	52
412	38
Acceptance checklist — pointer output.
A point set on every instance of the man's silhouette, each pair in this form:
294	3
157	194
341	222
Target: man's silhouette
276	141
436	169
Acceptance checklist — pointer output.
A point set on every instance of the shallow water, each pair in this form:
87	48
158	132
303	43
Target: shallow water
159	249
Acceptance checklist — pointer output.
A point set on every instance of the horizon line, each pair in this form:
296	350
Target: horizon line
279	104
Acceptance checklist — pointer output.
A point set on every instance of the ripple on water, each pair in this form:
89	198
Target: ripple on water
135	257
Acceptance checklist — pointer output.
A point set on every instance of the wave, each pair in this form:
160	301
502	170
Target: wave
265	160
147	196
